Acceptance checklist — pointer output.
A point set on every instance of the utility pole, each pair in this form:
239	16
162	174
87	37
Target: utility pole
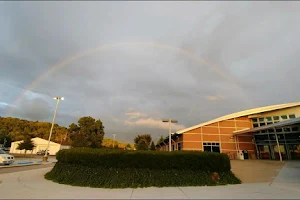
170	121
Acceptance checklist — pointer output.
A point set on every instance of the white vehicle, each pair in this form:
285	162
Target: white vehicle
5	158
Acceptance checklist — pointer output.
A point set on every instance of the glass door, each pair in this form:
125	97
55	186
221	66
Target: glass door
282	151
294	150
264	152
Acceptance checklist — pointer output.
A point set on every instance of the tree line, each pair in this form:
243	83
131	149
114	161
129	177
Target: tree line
87	132
145	142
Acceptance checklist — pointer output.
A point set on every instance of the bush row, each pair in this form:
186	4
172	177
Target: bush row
150	160
80	175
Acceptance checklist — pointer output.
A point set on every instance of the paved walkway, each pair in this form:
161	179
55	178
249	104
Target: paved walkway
289	177
32	185
24	168
254	171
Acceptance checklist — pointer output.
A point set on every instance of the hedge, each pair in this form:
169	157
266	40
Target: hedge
122	169
159	160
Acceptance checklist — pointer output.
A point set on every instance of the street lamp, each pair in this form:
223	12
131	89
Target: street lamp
114	140
45	158
170	121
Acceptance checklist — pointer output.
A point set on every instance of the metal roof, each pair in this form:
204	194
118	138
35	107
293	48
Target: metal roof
243	113
275	125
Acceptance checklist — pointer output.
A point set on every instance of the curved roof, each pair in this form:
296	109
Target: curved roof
243	113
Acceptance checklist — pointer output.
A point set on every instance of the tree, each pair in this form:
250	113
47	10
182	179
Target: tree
78	140
161	139
26	145
152	147
128	146
73	128
146	138
14	129
88	133
142	145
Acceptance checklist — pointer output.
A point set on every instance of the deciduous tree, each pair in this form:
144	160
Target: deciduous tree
26	145
88	133
142	142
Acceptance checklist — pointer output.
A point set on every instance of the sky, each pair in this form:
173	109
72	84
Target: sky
132	64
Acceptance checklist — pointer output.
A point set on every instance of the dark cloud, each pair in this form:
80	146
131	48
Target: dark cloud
206	59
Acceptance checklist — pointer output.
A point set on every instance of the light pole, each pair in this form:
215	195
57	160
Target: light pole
114	140
170	121
45	158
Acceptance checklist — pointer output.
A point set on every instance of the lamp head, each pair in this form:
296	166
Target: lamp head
59	98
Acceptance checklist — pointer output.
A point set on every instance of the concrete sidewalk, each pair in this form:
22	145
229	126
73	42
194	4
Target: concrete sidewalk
289	177
32	185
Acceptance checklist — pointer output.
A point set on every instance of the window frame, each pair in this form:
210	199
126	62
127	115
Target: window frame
294	116
276	119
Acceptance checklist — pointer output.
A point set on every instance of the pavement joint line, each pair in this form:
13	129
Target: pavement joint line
20	182
278	173
184	193
131	193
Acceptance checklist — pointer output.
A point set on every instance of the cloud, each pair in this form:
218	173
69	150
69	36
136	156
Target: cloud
215	98
3	104
134	115
253	45
143	120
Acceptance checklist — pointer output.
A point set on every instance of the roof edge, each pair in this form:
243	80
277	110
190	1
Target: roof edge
242	113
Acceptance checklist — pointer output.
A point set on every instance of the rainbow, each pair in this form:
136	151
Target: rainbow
66	61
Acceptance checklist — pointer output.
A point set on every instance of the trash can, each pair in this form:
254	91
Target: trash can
246	154
240	155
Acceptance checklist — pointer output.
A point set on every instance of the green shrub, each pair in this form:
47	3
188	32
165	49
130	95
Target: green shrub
110	168
78	175
159	160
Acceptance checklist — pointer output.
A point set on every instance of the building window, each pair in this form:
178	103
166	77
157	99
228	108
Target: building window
262	124
292	136
269	119
276	118
211	147
271	130
179	147
287	129
261	137
254	120
278	130
292	116
284	117
295	128
255	125
272	137
261	119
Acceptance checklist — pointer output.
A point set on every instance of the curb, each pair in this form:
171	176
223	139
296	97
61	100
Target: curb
22	165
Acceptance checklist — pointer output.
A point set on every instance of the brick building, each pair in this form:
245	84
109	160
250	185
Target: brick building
263	132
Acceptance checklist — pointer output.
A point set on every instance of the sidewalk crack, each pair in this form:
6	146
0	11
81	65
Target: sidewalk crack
184	193
131	193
